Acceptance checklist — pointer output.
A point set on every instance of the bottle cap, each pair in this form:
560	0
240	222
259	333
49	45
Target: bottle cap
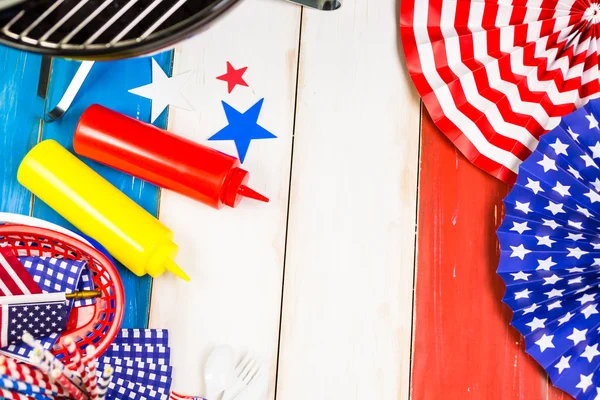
236	189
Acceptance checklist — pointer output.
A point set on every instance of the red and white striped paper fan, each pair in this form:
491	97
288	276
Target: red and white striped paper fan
497	74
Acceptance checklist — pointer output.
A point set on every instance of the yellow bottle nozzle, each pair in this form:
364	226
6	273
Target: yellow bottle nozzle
175	269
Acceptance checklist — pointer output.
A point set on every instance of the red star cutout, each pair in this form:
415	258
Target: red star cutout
233	77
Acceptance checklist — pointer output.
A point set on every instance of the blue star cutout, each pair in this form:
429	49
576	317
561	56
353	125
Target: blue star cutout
242	128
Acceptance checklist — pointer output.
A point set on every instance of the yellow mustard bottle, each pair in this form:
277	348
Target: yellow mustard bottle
100	210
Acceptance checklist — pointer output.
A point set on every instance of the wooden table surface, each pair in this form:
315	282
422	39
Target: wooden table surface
369	275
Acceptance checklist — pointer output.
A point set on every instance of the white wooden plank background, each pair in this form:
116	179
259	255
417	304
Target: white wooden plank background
349	257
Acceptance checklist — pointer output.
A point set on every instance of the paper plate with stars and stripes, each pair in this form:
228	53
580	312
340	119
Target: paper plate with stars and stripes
497	74
550	252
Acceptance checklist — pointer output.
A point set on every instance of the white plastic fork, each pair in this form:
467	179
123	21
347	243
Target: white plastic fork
246	371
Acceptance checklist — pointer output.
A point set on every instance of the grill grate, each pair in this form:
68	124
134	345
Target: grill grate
102	25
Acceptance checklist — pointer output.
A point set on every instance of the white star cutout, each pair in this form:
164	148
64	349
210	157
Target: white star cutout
575	224
589	162
586	298
556	304
551	223
563	364
585	381
583	289
574	236
164	91
591	352
574	172
590	310
545	342
596	246
530	309
551	280
596	184
593	122
561	189
554	293
566	318
554	208
546	264
536	323
548	164
545	241
577	336
524	294
520	227
573	134
584	211
534	186
522	207
521	276
576	252
519	251
596	262
559	147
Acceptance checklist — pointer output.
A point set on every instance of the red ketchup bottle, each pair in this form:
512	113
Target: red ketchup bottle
162	158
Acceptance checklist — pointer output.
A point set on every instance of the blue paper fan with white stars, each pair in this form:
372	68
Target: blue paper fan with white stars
550	253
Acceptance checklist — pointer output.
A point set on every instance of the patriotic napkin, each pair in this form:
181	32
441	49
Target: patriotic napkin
550	253
141	360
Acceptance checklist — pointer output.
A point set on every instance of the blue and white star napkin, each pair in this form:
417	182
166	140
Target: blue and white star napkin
550	253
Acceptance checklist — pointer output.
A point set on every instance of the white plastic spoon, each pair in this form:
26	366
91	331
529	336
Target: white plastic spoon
219	371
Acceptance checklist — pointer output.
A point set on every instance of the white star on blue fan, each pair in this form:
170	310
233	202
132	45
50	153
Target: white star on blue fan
561	189
576	252
584	211
595	150
575	224
522	207
575	270
590	310
548	164
554	293
551	280
593	121
534	186
545	342
574	135
585	381
574	172
574	280
577	336
596	184
545	241
566	318
546	264
589	162
519	251
593	196
551	223
591	352
520	227
530	309
556	304
559	147
586	298
536	323
521	276
575	237
554	208
563	364
524	294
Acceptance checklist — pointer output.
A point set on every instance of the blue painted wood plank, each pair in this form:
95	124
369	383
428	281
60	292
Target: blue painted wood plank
108	84
20	111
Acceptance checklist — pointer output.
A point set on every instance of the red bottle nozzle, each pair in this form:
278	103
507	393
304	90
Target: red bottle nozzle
252	194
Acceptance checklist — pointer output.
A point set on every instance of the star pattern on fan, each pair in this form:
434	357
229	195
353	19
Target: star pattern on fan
550	252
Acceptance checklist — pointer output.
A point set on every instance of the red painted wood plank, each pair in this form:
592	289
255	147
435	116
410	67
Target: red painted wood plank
463	345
